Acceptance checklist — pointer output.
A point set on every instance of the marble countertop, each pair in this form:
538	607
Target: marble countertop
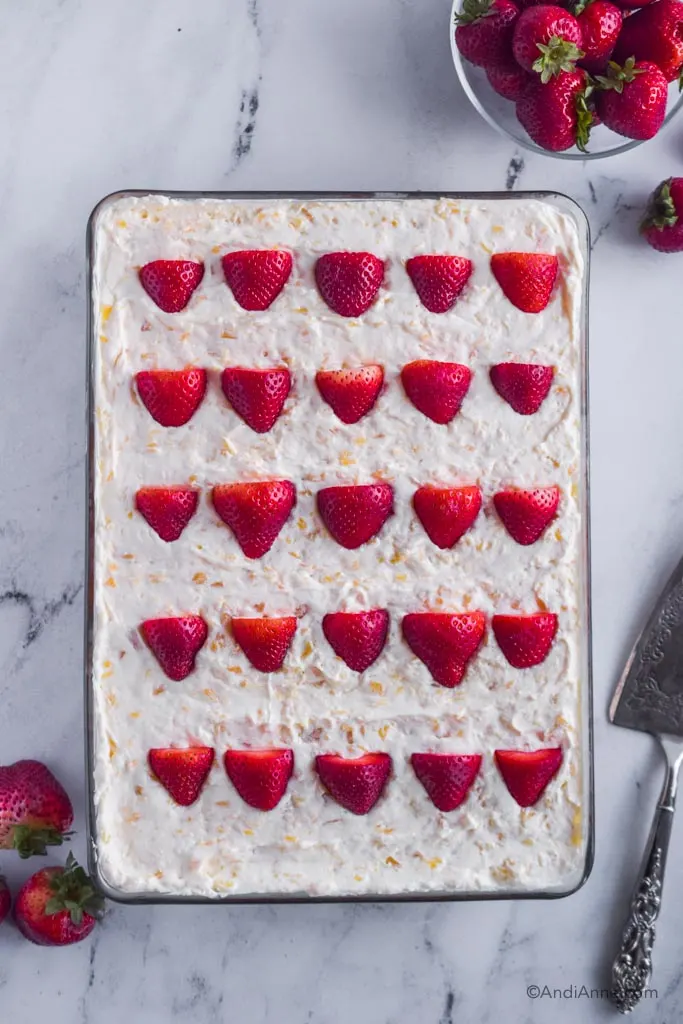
250	94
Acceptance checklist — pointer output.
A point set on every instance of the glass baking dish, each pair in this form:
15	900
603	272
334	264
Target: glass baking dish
564	205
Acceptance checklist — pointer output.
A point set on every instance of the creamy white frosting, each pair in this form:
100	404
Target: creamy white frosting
220	846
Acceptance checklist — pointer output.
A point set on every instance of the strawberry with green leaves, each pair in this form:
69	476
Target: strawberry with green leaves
631	99
654	34
547	39
559	114
58	906
484	31
662	227
35	810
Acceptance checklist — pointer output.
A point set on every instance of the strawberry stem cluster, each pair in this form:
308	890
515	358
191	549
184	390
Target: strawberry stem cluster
74	893
557	56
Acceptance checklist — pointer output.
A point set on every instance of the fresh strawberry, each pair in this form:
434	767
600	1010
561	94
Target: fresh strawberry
484	31
527	279
355	783
558	115
168	510
509	80
526	773
349	281
257	395
35	810
358	638
447	778
5	899
350	393
654	34
257	276
526	514
439	280
436	389
181	771
172	397
175	642
265	641
170	283
58	906
525	640
600	23
446	513
524	386
355	514
445	643
255	512
632	99
260	776
663	224
547	39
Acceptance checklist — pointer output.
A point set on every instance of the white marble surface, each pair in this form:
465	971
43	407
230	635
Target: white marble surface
305	94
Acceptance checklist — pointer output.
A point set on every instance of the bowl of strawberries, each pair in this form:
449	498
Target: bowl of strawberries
589	79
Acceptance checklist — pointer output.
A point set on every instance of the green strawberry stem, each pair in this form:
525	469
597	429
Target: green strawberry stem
618	76
33	842
74	892
584	117
661	212
473	10
557	56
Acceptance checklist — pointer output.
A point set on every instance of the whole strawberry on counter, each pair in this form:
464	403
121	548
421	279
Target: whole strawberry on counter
632	99
58	906
484	31
35	810
547	39
655	34
662	227
557	114
5	899
600	23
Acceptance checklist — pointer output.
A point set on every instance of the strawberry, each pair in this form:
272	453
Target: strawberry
439	280
255	512
436	389
557	116
446	777
526	773
484	31
5	899
445	643
35	810
349	281
525	640
168	510
257	276
547	39
527	279
170	283
526	514
524	386
632	99
182	772
654	34
509	80
663	224
265	641
257	396
355	514
350	393
358	638
172	397
355	783
175	643
260	776
600	23
58	906
446	513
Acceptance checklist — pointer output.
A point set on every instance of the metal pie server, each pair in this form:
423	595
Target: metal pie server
649	696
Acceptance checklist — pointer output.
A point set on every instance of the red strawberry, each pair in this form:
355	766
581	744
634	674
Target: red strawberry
257	276
600	23
265	641
35	810
663	224
349	281
557	115
260	776
175	642
358	638
632	99
255	512
350	393
445	643
256	395
526	514
182	772
58	906
436	389
446	777
526	278
524	386
447	512
484	31
547	39
525	640
172	397
654	34
526	773
168	510
5	899
355	514
170	283
439	280
355	783
509	80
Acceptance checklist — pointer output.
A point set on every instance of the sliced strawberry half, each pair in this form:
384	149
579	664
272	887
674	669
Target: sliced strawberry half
446	513
355	783
182	772
255	512
526	514
260	776
526	773
355	514
168	510
265	641
350	393
257	276
439	280
358	638
170	283
436	389
525	640
526	278
349	281
447	778
257	395
175	642
445	643
524	386
172	397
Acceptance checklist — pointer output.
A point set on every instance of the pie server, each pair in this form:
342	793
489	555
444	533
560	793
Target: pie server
649	696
